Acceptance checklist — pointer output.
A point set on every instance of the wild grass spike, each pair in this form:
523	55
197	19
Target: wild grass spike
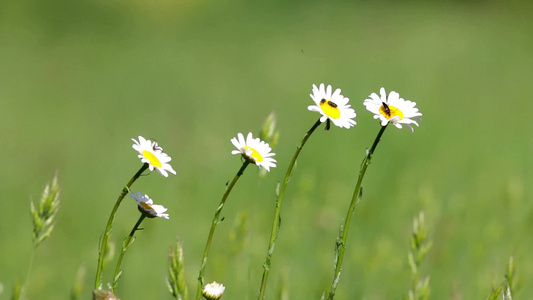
176	272
420	246
43	215
508	286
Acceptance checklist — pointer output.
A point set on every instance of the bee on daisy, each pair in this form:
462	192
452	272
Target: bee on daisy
393	109
333	106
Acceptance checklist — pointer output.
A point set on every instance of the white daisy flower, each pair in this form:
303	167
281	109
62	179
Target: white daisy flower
213	291
148	208
152	154
254	150
393	109
332	106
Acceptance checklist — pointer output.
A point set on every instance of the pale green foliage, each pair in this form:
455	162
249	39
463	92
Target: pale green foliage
507	293
77	290
43	216
270	134
17	290
420	246
283	289
109	253
269	131
176	272
495	293
238	236
508	285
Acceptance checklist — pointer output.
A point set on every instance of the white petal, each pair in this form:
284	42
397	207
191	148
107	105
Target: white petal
383	95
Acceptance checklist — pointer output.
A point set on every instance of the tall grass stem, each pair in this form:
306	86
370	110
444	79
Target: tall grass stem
27	280
341	245
214	225
176	272
43	218
107	232
277	219
125	246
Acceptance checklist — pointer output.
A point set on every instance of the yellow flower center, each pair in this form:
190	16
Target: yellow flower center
152	158
145	205
390	111
255	155
330	109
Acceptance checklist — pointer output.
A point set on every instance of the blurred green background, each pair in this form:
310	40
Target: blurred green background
79	79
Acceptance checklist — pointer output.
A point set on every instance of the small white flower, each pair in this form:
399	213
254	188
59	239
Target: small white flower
332	106
213	291
393	109
152	154
148	208
254	150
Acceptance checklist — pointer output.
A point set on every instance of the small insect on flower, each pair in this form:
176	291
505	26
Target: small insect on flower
393	109
330	103
332	106
386	108
152	154
155	146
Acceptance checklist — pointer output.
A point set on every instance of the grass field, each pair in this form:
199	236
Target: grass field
79	79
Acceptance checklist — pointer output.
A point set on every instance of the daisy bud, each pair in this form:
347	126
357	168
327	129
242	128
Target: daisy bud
213	291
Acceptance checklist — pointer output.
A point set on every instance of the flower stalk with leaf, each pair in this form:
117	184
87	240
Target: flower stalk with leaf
253	151
391	109
153	158
334	108
148	209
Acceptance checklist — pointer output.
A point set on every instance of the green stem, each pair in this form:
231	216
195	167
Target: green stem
277	219
341	245
214	225
105	237
125	246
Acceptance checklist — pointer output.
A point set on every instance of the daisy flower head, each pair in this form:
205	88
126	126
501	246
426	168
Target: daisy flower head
152	154
147	207
334	107
254	150
393	109
213	291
